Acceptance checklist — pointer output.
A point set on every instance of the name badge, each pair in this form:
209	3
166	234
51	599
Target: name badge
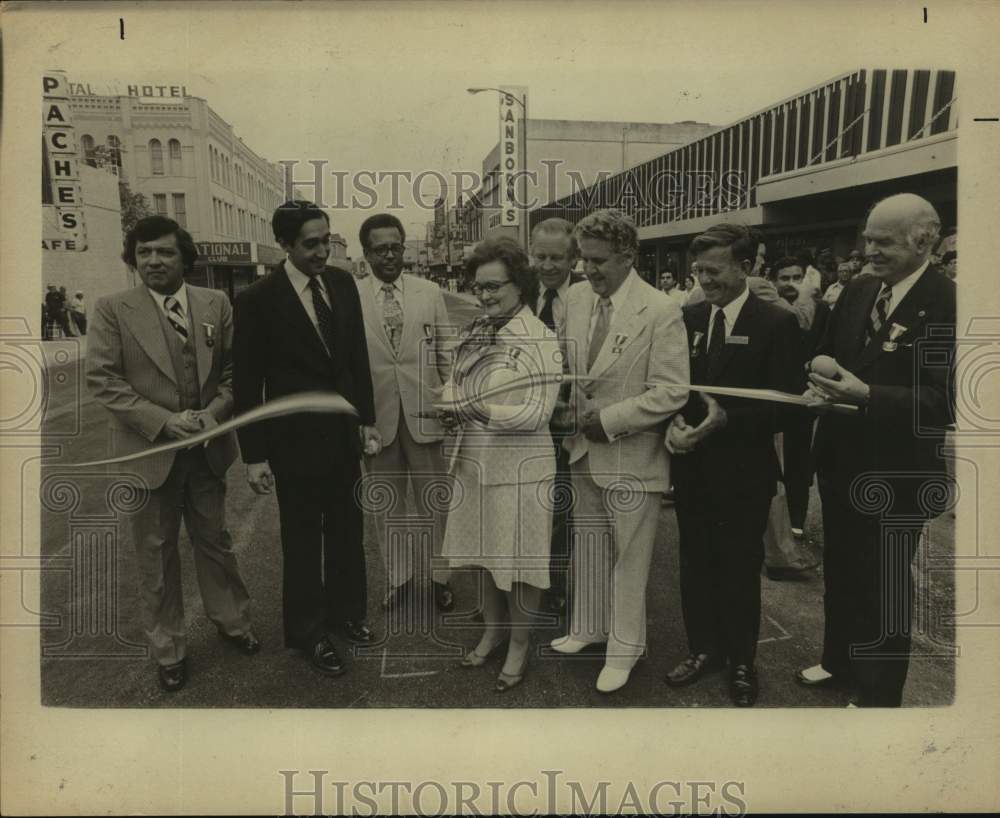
743	340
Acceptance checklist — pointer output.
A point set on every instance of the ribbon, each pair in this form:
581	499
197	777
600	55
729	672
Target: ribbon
305	402
773	395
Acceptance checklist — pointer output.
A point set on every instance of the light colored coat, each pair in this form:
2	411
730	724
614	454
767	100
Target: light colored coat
515	446
130	372
414	377
646	343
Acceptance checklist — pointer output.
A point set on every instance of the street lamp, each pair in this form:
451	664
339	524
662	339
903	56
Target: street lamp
523	102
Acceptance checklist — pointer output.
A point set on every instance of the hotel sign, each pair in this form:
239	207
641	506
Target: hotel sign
224	252
512	105
63	226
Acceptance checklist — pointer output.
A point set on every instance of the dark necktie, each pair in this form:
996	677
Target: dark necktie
324	316
879	312
546	316
717	340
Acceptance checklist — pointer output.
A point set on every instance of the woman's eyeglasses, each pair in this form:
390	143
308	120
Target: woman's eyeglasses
490	287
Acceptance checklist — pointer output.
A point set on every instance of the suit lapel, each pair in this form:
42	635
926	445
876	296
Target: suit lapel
296	315
143	321
907	314
412	331
698	340
625	328
370	310
198	305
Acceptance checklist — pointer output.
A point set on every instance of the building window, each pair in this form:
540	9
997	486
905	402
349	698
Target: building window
180	210
115	150
160	203
87	148
156	157
175	157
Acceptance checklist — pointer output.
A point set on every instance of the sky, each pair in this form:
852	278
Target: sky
381	85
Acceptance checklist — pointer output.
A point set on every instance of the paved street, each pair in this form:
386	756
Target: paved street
414	668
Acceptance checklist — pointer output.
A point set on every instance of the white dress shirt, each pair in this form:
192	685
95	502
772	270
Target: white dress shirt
901	288
617	298
731	311
182	298
378	283
558	304
300	283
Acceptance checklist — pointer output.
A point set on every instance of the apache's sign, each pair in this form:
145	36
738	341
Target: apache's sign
61	195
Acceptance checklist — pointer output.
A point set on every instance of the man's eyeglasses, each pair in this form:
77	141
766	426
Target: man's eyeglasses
385	249
490	287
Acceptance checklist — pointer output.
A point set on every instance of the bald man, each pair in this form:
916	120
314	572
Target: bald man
881	468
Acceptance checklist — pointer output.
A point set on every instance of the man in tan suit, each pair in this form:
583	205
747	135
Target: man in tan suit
623	339
158	359
406	326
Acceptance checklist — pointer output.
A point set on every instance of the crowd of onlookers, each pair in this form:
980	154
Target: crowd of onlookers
62	316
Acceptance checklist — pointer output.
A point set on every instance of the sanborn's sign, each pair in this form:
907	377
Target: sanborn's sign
61	195
511	118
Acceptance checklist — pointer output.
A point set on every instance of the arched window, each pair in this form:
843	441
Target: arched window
175	157
156	157
115	150
87	146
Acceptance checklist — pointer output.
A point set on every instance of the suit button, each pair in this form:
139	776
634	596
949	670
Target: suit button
589	396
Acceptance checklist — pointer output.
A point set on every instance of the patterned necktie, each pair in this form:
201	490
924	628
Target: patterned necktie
324	316
392	316
879	312
175	315
716	340
546	316
601	326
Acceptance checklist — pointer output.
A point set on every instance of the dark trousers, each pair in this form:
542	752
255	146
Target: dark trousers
868	601
721	553
559	549
798	466
324	580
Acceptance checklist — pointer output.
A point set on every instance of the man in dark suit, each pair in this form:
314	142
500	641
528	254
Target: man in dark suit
300	329
881	468
797	437
553	255
159	360
725	469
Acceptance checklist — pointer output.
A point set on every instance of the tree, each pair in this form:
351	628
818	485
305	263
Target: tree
134	206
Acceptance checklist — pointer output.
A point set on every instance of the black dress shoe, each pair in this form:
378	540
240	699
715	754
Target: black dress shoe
325	659
246	643
398	596
172	677
357	631
743	686
555	602
693	668
444	599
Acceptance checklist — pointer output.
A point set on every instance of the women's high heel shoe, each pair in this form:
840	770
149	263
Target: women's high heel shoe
473	659
508	681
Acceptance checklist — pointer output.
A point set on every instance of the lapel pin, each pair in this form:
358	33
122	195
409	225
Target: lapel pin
696	344
209	334
895	333
921	314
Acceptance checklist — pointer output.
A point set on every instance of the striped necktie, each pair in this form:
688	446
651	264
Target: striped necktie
879	312
175	315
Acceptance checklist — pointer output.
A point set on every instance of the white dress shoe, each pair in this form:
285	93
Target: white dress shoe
815	675
567	644
612	679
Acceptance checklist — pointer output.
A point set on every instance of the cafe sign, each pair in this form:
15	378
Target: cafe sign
63	227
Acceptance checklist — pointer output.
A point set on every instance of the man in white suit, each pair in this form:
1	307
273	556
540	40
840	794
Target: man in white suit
159	360
624	340
406	328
